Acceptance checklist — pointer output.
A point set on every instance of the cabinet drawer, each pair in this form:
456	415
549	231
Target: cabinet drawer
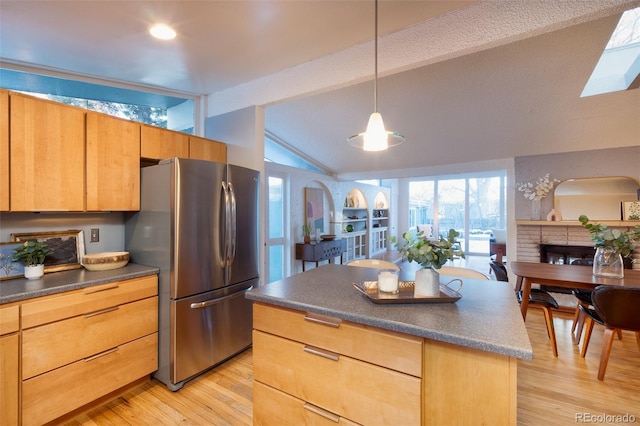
9	319
272	407
79	302
359	391
59	343
53	394
397	351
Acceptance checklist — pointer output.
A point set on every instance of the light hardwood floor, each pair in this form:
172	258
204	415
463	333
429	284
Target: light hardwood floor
551	391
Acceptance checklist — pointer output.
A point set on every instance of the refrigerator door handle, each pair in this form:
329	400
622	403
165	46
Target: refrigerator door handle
206	303
226	231
232	224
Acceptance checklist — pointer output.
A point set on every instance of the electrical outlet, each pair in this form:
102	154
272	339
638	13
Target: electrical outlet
95	235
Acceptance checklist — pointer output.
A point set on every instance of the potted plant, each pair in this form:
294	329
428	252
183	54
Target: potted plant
431	255
32	253
611	246
306	231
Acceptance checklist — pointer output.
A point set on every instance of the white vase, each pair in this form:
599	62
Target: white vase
33	272
427	283
607	263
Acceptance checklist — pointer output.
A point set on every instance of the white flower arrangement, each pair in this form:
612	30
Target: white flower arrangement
543	185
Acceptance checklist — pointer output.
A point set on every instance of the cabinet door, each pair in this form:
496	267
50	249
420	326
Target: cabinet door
158	144
206	149
47	155
4	150
113	163
9	364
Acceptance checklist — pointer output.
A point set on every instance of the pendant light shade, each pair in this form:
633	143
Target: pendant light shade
376	137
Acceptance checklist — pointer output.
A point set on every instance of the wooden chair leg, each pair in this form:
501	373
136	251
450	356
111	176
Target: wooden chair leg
576	315
548	317
607	343
587	336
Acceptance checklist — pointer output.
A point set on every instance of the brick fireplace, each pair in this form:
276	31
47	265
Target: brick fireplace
532	236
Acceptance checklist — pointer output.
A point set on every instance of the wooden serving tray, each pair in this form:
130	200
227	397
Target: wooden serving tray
405	293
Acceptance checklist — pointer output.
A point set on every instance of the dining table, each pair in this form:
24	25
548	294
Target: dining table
560	275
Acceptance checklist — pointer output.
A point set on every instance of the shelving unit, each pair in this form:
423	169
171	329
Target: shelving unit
354	231
379	230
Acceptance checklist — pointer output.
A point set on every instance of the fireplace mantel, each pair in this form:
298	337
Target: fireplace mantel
619	223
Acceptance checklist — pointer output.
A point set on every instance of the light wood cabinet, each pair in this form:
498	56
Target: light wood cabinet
113	163
338	367
47	155
81	345
4	150
314	369
9	364
158	144
207	149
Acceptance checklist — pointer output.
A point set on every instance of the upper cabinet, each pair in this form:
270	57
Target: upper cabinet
4	150
47	155
56	157
206	149
157	143
113	163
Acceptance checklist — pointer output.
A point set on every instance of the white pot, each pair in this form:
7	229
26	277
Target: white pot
33	272
427	283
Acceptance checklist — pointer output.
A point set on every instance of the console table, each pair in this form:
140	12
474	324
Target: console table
320	250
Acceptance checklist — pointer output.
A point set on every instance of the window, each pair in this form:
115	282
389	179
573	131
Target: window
167	111
276	220
278	151
473	205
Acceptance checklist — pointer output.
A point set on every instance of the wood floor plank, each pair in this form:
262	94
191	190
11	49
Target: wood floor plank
551	391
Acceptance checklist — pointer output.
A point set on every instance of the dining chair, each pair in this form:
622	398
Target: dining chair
457	271
537	299
614	307
374	263
583	297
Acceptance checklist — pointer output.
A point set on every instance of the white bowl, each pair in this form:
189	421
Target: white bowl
105	261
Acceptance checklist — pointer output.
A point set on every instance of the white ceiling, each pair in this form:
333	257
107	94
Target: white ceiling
463	80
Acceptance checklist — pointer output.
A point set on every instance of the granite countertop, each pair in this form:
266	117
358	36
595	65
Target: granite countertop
56	282
487	317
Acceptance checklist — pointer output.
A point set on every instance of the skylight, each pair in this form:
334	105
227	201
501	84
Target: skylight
619	65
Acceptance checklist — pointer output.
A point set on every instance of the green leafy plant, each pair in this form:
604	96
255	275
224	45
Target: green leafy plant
31	252
602	236
306	229
428	253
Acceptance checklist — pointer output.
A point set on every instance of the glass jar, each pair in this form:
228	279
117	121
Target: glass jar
607	263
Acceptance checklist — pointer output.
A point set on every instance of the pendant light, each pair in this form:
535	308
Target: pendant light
376	137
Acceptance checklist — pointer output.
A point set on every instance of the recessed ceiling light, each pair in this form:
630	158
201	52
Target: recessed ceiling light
163	32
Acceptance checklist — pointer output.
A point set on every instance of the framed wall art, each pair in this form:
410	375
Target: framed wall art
631	210
9	268
67	248
314	209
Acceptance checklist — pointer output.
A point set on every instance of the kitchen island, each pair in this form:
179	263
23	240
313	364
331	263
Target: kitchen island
321	348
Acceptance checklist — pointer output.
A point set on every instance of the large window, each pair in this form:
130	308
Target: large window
473	205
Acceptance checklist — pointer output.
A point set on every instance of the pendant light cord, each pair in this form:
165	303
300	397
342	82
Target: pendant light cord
375	60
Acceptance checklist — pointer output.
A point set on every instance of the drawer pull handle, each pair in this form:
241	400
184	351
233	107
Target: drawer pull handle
198	305
104	311
101	354
321	352
97	290
323	319
322	412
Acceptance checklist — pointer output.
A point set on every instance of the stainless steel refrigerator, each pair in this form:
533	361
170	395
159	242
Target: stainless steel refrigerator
198	223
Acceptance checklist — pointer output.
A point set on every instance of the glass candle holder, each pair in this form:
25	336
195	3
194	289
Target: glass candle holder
388	281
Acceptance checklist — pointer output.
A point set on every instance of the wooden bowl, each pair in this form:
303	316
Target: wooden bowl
105	261
328	237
